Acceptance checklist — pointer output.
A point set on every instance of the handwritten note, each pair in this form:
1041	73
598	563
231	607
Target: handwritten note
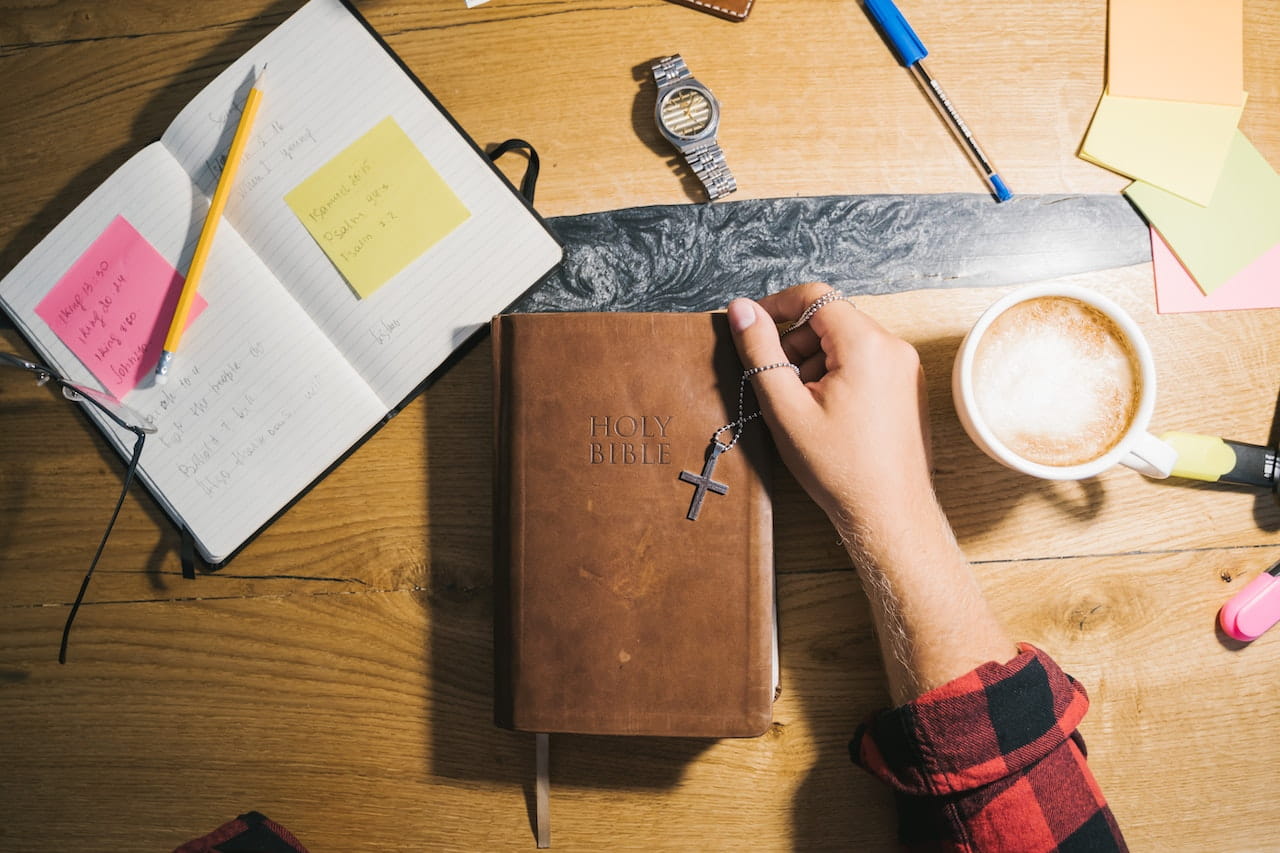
113	307
376	207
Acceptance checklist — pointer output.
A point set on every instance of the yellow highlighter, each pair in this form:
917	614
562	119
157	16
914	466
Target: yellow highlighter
1217	460
216	206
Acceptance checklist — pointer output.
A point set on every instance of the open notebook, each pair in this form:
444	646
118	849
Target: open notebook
291	363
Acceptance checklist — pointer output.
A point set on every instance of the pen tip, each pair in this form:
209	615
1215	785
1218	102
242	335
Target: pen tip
1002	190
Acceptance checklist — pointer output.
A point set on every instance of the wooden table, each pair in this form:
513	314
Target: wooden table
336	675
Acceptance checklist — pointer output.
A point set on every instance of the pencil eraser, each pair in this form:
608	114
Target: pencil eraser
1253	610
162	378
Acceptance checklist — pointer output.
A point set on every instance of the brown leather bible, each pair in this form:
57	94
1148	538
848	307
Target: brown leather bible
614	612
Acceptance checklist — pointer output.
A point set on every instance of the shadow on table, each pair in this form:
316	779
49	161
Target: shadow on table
831	667
170	96
464	742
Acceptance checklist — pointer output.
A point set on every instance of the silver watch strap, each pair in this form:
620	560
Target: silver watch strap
669	69
707	161
708	164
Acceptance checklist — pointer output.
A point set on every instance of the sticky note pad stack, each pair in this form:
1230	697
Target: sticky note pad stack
1240	224
1175	91
1168	119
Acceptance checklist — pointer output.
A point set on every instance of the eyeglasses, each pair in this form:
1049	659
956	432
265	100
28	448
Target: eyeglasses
119	414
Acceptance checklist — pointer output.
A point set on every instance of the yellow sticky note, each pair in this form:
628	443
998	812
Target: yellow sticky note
1177	50
1240	224
376	207
1177	146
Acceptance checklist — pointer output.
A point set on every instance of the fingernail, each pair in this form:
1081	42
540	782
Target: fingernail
741	314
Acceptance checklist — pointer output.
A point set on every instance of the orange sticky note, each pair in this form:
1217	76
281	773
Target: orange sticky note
1176	50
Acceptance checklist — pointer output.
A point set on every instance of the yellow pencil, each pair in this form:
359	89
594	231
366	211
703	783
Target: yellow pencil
219	203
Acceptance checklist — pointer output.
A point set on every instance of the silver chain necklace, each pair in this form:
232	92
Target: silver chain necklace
703	482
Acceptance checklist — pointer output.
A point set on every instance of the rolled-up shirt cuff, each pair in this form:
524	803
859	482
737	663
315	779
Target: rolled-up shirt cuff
988	724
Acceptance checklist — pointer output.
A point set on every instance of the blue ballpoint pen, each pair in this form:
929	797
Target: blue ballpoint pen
911	51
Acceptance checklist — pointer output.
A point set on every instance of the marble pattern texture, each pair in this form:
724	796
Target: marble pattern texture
696	257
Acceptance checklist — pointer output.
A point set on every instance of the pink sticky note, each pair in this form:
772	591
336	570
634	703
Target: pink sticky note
1255	286
113	307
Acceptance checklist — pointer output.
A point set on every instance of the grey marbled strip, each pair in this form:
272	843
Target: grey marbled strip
695	257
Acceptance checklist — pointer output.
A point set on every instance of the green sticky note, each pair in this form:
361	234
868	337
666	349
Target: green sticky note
1240	223
376	207
1177	146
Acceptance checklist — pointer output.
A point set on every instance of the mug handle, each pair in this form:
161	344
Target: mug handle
1151	456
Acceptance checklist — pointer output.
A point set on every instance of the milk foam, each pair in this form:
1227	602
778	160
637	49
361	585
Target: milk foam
1056	381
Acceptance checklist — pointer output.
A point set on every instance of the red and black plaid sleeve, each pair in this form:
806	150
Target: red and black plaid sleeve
992	761
252	832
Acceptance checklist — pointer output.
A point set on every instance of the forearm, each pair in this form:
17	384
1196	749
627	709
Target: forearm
981	746
931	617
852	424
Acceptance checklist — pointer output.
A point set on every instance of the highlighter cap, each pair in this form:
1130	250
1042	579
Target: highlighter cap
906	44
1253	610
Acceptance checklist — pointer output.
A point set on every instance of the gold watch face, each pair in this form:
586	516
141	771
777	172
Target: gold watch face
686	112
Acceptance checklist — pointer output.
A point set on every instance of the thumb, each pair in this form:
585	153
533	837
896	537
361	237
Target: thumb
756	337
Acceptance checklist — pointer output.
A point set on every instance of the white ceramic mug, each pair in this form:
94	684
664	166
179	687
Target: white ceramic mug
1136	448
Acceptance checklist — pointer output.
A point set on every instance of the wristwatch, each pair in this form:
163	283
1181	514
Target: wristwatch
688	115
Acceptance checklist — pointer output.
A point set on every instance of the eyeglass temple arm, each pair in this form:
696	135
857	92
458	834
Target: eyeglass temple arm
84	585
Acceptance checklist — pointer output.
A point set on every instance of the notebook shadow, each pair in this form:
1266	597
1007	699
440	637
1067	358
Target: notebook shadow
170	96
464	742
20	478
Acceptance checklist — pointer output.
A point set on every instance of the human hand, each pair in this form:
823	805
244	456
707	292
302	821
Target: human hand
853	427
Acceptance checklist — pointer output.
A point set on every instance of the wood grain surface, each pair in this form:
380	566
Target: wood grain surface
336	675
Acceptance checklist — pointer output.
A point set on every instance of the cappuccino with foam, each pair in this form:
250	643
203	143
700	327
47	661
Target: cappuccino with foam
1056	381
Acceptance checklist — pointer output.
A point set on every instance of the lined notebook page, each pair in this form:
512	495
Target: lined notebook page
327	83
259	402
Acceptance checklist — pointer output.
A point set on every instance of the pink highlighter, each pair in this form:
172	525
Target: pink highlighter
1254	609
